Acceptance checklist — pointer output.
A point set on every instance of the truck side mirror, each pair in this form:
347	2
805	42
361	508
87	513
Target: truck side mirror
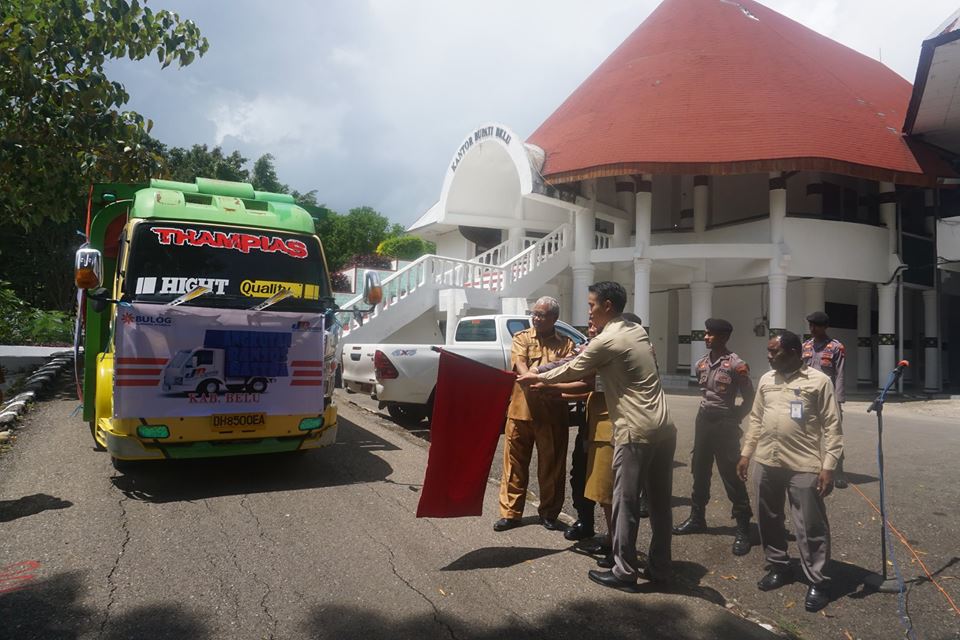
88	267
99	298
372	291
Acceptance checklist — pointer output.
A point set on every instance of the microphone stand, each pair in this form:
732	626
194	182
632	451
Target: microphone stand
882	582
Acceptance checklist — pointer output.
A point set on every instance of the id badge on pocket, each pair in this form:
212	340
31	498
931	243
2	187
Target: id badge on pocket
796	410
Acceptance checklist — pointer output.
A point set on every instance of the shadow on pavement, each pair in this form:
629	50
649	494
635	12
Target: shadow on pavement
30	505
351	460
847	580
621	617
49	609
858	478
498	558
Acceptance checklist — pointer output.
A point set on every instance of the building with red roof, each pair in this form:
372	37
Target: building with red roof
723	161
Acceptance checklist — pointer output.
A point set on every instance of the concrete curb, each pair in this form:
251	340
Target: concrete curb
29	387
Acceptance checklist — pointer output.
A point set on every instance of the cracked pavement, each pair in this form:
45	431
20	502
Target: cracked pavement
322	544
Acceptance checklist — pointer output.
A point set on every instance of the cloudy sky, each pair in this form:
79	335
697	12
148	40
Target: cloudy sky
366	100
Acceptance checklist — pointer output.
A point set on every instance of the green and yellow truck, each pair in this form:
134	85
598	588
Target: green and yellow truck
170	264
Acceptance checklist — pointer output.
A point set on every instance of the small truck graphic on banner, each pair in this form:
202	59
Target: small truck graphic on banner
234	360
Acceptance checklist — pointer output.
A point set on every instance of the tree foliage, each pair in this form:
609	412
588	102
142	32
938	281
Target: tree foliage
185	165
61	123
405	247
347	238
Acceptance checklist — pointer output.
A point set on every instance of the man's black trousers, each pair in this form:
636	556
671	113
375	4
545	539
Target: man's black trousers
717	438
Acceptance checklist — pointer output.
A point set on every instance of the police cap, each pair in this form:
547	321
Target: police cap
819	317
718	325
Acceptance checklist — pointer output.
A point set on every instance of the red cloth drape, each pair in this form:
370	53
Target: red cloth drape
468	411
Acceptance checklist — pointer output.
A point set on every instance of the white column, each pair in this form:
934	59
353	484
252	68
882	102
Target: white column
814	290
886	330
627	202
452	301
864	343
931	345
778	206
778	303
683	331
700	201
888	213
641	288
701	307
777	279
644	213
515	236
583	270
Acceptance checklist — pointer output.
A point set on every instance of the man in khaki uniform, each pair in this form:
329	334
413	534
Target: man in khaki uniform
644	436
795	416
535	418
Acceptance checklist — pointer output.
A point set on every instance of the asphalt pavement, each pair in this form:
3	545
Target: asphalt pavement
921	443
323	544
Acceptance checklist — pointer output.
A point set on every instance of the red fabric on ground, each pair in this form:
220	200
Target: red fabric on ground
468	411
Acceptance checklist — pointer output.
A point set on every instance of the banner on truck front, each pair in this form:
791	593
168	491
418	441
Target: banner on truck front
189	361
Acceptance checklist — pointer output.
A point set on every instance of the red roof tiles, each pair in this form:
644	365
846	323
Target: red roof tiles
723	86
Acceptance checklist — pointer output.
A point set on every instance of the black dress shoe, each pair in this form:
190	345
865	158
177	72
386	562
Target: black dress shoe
775	579
607	579
817	598
595	548
579	530
606	562
552	524
694	524
505	523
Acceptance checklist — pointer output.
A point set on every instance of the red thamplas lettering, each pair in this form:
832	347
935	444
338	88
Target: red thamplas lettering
243	242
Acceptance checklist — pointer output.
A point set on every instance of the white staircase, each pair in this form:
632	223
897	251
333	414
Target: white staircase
486	279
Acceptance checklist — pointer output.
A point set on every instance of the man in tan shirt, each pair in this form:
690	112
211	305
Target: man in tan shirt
795	415
535	418
644	436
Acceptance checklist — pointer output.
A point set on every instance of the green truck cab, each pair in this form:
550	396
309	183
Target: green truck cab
202	253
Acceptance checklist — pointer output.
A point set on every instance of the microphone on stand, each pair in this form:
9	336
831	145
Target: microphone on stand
877	404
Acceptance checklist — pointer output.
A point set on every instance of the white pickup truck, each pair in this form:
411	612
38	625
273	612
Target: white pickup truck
402	377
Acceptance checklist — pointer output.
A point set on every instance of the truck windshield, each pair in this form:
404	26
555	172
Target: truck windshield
242	267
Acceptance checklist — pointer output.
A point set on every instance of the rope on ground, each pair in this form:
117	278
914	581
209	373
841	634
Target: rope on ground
912	551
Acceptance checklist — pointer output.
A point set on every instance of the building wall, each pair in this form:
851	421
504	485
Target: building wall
454	245
661	333
738	197
424	330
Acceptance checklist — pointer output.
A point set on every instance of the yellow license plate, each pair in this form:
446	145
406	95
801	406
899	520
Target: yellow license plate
238	421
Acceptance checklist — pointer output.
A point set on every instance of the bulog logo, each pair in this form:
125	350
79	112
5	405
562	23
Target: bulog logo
243	242
155	321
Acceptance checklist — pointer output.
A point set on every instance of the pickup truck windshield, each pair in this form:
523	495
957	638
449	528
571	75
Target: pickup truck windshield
242	267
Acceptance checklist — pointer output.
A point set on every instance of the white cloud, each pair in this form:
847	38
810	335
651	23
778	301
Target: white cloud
278	121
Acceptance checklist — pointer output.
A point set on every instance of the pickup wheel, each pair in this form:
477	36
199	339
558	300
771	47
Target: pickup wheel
407	415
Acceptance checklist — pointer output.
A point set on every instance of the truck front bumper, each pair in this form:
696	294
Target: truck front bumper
126	446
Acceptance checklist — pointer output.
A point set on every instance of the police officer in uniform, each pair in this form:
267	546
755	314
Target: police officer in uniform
722	375
827	355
